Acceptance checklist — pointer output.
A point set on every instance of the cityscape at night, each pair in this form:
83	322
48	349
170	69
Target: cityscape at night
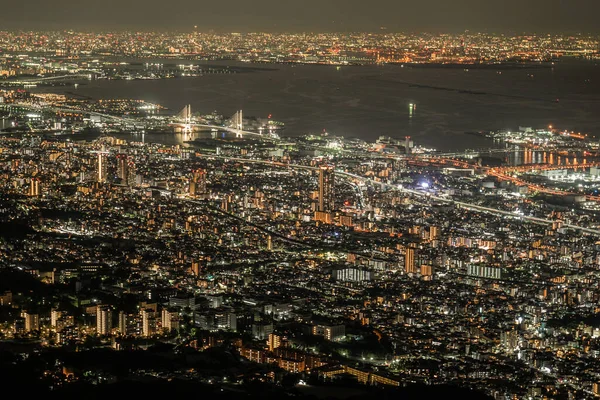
315	214
324	48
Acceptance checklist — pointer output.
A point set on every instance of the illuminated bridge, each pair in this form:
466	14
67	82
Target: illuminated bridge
39	80
185	122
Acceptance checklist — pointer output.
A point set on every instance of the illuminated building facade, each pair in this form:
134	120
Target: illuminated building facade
326	185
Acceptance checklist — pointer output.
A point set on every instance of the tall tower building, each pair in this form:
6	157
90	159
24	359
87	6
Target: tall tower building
131	172
123	168
122	323
274	341
54	318
102	166
433	232
103	320
170	320
126	170
326	184
409	261
148	322
198	182
32	321
34	187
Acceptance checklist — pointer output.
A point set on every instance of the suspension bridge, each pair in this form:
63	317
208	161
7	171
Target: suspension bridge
186	122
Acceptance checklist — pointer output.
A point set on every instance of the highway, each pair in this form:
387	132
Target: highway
237	132
34	81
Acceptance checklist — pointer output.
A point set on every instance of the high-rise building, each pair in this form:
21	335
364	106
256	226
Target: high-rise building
427	272
169	320
54	317
122	323
126	170
122	168
103	320
102	166
34	187
148	322
198	182
433	232
269	243
274	341
32	321
326	185
131	174
195	268
409	261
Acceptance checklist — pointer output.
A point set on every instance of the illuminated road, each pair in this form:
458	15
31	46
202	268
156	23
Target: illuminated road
237	132
34	81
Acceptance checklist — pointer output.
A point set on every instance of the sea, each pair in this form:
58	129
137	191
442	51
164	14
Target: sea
437	106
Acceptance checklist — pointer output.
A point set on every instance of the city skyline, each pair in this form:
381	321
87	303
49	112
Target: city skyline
266	215
270	16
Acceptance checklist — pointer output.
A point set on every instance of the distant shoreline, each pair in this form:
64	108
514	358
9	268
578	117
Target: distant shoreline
494	66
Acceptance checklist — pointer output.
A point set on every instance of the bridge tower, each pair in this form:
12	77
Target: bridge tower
185	114
237	123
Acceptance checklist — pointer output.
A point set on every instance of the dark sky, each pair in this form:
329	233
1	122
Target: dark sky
305	15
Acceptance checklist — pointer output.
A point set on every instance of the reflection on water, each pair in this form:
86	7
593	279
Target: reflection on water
435	106
169	139
522	156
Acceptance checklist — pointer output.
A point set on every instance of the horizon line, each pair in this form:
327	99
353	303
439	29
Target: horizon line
251	32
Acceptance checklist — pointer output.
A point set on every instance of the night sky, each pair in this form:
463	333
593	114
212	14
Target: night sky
305	15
